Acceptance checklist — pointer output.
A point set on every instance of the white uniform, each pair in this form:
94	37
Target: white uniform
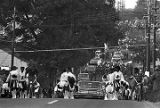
64	82
36	87
57	89
119	74
13	75
147	73
64	76
22	75
110	77
109	91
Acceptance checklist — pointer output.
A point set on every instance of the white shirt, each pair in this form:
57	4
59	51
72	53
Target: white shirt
22	75
110	77
10	76
64	76
120	74
147	73
37	87
14	72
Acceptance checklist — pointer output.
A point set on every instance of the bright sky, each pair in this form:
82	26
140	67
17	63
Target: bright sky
129	3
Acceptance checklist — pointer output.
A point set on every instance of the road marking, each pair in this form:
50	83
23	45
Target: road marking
52	102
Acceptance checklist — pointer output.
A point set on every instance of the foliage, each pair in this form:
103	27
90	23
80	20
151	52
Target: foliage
57	24
141	9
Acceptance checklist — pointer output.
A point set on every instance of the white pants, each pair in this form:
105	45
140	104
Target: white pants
68	95
109	96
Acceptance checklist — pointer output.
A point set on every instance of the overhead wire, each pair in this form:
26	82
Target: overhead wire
76	49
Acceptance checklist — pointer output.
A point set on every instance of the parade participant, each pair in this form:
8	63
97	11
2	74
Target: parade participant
58	91
108	86
118	75
22	82
12	79
138	75
109	92
136	84
31	73
67	81
36	89
31	77
108	76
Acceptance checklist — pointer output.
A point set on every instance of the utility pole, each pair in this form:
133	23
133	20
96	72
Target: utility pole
13	36
148	25
155	29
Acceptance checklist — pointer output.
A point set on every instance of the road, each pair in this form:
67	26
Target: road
76	103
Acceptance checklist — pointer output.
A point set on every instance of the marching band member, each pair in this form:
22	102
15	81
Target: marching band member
22	82
36	88
12	79
118	75
64	82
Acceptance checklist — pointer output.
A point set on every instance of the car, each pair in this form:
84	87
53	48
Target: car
89	90
83	76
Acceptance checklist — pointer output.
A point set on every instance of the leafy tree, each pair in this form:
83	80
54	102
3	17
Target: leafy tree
57	24
140	9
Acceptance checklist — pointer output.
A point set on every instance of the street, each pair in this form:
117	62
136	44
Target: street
76	103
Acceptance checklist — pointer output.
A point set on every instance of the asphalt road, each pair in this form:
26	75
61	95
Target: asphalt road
76	103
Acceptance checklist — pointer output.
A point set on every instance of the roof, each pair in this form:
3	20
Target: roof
5	60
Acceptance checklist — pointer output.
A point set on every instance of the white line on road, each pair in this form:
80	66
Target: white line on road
52	102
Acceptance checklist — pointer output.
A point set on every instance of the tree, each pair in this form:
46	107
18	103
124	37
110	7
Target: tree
140	9
54	24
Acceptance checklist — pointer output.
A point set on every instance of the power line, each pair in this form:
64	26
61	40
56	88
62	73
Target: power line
76	49
56	50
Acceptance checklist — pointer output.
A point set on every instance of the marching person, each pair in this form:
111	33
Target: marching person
58	91
118	75
31	73
138	75
68	79
31	76
12	80
36	89
118	78
22	82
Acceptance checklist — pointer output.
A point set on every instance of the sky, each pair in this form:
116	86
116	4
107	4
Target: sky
129	4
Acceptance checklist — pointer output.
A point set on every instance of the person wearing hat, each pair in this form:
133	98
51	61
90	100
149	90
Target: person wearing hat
118	75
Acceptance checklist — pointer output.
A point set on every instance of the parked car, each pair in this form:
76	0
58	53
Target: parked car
89	89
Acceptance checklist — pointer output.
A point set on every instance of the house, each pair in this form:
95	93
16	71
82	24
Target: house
5	60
